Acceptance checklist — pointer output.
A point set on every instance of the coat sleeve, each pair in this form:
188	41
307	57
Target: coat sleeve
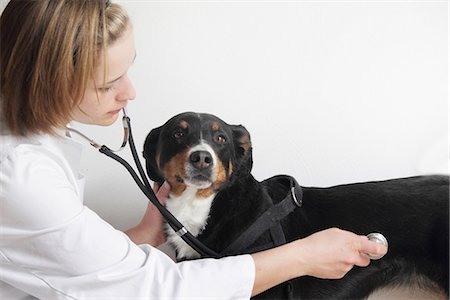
53	247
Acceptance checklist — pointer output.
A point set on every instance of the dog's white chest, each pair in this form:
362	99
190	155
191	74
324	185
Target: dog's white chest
193	213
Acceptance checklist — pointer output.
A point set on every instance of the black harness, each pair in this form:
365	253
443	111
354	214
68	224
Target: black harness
270	220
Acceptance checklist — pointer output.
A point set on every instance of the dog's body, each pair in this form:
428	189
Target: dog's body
208	163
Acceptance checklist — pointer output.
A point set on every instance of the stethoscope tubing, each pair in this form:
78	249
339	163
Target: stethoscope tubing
144	185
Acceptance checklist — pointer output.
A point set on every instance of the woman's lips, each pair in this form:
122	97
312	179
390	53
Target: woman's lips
114	112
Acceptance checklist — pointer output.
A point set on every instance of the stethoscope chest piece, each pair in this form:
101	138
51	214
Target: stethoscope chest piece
377	238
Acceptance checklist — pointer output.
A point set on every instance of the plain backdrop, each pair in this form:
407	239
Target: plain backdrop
332	92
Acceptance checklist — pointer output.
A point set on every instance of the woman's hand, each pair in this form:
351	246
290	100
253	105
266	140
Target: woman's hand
151	228
331	253
328	254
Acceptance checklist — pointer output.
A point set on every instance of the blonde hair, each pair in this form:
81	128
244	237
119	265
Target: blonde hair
49	49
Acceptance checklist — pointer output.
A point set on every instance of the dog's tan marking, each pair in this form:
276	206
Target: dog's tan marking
205	193
176	188
215	126
230	168
184	124
221	174
174	170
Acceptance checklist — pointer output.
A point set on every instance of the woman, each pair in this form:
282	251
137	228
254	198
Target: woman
68	60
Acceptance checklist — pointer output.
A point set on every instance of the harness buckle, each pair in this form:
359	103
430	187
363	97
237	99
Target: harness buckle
294	197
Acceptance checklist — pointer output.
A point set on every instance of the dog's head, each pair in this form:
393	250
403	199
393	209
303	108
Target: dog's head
197	150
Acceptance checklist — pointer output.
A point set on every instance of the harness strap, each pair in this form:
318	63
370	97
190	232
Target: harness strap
277	235
267	220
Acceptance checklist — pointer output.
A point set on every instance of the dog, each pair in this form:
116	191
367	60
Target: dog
208	165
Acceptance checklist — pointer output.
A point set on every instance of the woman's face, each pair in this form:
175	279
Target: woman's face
103	102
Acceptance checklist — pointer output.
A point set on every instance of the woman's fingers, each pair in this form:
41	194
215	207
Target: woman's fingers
370	248
162	191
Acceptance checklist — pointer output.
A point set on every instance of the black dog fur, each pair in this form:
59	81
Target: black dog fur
412	213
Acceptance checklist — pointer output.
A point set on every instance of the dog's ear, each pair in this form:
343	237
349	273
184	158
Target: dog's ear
243	149
150	152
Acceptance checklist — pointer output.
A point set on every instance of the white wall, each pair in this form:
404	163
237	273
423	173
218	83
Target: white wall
331	91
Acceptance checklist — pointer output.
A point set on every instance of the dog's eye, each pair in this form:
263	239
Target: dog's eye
178	134
220	139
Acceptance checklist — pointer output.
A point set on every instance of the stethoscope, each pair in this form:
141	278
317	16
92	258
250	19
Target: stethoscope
144	184
145	187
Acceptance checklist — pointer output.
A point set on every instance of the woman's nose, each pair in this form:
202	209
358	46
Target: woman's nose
127	92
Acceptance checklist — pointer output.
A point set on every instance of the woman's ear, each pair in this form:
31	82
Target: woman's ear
150	154
243	149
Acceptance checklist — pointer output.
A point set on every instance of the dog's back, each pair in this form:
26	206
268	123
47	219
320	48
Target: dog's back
411	212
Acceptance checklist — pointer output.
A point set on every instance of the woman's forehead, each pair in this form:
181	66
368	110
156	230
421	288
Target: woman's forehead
120	56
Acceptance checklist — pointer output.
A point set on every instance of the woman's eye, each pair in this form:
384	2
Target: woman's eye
221	139
106	89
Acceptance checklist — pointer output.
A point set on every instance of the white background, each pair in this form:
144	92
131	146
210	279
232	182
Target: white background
332	91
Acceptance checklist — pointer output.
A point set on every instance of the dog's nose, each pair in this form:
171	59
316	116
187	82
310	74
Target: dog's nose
201	159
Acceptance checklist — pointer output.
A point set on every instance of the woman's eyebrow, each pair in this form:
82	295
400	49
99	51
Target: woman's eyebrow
114	80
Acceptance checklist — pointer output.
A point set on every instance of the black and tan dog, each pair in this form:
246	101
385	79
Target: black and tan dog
208	162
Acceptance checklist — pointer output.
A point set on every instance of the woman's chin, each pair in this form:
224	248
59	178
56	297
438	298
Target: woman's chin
109	121
106	120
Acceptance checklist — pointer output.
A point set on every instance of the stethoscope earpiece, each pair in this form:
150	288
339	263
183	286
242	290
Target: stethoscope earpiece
126	133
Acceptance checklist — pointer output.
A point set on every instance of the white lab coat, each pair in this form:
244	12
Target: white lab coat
54	247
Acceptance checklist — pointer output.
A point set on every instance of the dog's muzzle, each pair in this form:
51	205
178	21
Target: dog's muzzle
200	168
